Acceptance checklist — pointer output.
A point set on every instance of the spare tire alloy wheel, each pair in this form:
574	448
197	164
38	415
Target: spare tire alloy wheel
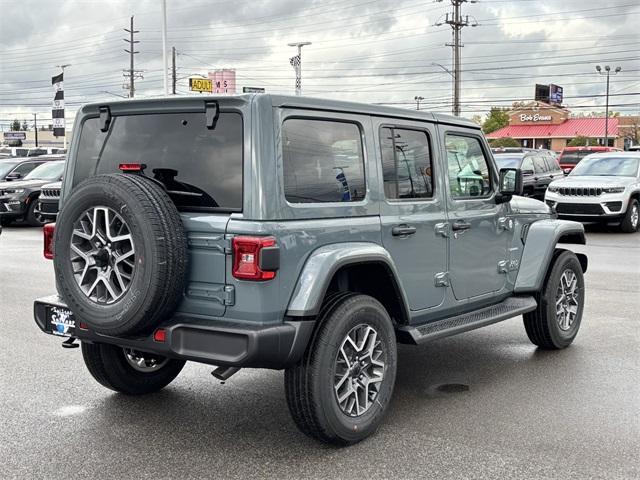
102	255
359	370
120	254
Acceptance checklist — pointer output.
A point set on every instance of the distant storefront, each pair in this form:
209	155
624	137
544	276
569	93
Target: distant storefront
541	125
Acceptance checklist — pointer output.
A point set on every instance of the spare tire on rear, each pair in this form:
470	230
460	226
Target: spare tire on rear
120	254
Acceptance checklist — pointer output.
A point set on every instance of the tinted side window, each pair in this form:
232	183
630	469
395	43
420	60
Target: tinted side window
406	163
527	164
539	164
468	167
25	168
553	165
323	161
200	168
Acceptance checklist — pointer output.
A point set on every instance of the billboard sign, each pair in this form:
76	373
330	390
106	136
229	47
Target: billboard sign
200	85
15	135
253	90
224	81
555	95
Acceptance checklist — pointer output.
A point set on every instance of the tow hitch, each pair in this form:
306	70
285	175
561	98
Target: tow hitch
224	373
70	343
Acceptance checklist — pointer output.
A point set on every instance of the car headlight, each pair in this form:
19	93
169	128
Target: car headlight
15	190
613	189
552	188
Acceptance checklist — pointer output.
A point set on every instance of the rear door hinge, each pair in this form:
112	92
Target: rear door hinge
441	279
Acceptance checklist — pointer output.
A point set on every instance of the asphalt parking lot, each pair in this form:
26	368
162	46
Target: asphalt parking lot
520	413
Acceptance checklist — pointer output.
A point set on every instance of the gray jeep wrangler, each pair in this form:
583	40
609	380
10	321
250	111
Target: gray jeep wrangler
299	234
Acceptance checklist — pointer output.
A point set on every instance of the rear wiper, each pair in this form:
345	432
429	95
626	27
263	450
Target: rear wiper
186	194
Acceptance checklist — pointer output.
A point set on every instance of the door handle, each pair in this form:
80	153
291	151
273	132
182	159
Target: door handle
458	226
403	230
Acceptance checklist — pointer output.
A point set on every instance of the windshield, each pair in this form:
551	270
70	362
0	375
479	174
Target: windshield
508	161
46	171
6	167
574	157
607	166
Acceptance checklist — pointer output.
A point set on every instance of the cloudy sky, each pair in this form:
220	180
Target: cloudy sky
378	51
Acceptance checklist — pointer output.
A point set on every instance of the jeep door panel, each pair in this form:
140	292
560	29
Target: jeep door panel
415	207
478	242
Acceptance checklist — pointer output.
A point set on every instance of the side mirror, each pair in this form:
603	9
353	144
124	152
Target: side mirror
13	176
510	184
567	171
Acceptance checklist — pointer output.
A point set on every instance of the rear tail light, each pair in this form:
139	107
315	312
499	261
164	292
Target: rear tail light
132	167
48	231
160	335
255	258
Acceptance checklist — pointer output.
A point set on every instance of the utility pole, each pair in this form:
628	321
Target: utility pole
607	72
296	63
164	47
132	73
35	126
173	70
418	99
457	23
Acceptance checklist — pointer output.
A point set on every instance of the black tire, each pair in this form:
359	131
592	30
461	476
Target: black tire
543	325
627	225
33	217
159	278
309	385
109	366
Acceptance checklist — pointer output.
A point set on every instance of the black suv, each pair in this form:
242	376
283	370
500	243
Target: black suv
539	168
15	168
19	198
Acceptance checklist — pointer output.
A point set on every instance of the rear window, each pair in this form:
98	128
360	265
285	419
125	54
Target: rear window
508	161
574	157
200	168
323	161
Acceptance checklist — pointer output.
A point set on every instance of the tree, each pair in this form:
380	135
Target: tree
504	142
15	125
477	119
579	141
497	118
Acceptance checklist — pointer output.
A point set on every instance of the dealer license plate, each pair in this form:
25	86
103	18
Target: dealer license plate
60	321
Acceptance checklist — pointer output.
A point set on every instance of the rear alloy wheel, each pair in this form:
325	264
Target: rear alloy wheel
129	371
340	390
631	220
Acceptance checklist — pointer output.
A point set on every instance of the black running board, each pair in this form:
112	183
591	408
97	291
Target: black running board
482	317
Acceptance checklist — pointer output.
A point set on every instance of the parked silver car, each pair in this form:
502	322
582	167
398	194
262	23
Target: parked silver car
604	187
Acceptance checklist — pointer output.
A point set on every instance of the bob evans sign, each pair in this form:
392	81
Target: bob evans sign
536	117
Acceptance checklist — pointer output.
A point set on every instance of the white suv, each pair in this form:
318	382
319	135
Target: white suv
604	187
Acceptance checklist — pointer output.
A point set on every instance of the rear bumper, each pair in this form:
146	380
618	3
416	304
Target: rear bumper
213	341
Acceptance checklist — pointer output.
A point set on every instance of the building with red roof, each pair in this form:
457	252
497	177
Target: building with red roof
541	125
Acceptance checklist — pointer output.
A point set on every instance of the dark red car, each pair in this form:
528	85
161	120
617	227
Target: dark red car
570	156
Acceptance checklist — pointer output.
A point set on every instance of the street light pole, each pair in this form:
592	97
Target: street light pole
608	73
296	63
164	47
418	99
35	126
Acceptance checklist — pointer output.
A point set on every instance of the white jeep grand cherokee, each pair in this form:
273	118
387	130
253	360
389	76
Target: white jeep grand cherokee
604	187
